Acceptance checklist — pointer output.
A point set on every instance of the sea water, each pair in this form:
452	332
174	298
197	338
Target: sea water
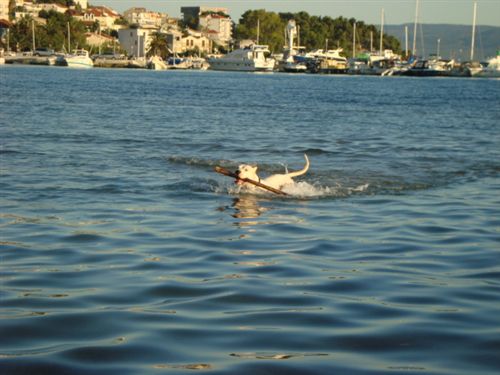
122	251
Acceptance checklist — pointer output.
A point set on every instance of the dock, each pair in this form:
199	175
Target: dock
31	60
119	63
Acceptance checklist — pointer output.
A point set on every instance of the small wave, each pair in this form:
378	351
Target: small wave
314	151
300	190
106	189
305	190
7	151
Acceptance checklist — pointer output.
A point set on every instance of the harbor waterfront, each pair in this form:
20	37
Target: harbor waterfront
123	252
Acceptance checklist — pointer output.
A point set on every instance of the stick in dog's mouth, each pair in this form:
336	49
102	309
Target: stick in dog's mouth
240	181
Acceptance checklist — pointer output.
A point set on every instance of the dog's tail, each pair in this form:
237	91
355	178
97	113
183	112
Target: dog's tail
303	170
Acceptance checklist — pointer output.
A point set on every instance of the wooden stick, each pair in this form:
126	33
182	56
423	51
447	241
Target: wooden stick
226	172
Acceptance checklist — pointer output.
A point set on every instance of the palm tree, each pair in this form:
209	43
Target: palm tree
158	46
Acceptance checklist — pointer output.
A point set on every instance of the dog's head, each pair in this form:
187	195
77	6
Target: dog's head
246	171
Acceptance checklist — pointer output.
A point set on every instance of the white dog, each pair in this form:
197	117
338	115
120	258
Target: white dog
277	181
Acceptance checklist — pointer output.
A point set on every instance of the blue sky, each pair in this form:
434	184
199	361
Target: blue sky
396	11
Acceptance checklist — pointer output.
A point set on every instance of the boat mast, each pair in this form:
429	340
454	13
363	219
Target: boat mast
354	41
406	40
33	32
473	32
381	31
100	44
298	36
258	30
69	39
414	49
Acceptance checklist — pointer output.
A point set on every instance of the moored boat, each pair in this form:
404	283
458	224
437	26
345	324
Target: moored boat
79	58
430	68
249	59
332	62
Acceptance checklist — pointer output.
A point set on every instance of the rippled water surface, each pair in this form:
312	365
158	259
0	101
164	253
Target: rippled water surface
122	251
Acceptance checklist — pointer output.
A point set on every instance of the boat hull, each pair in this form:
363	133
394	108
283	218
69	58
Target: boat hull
78	59
79	64
239	66
425	73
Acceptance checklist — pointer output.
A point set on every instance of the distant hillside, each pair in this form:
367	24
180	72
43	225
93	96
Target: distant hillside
455	39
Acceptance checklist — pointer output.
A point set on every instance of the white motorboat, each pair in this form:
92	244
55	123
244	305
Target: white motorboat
249	59
79	59
332	62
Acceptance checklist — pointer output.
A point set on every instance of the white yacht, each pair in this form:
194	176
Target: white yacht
248	59
79	59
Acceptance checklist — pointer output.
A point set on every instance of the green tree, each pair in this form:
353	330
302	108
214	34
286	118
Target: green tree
314	31
21	34
270	24
53	34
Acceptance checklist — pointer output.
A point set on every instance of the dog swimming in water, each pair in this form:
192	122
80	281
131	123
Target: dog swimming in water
276	181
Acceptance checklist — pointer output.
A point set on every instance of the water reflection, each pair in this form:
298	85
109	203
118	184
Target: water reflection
248	207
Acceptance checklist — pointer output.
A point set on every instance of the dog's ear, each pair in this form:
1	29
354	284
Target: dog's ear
254	167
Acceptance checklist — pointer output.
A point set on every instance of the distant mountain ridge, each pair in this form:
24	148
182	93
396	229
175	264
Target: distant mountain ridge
455	40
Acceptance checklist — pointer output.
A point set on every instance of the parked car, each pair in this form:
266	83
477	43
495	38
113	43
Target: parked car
44	52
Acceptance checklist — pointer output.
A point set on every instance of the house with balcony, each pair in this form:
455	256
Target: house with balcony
180	42
218	26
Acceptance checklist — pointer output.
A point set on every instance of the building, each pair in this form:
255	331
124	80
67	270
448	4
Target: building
219	27
179	42
143	17
213	21
136	41
191	15
32	9
4	10
105	16
98	40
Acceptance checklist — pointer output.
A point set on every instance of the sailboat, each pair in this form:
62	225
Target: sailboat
383	62
492	69
435	67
